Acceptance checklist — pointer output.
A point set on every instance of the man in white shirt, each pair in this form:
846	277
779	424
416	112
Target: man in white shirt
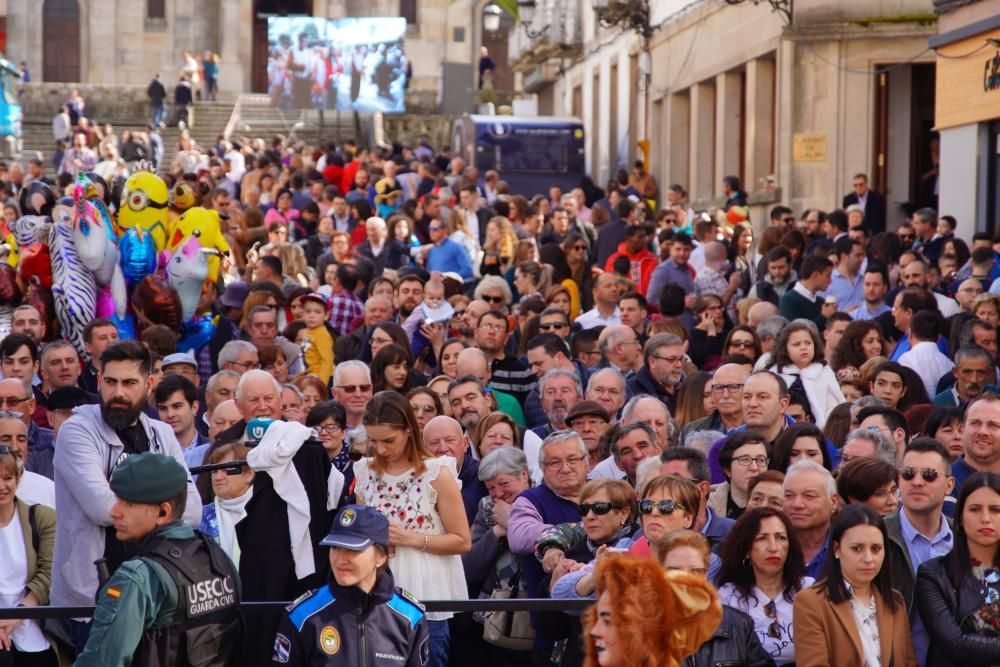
605	311
924	357
32	488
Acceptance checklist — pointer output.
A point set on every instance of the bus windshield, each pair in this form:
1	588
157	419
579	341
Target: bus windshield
535	150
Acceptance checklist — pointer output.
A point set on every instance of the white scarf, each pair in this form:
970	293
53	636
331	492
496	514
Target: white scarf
229	513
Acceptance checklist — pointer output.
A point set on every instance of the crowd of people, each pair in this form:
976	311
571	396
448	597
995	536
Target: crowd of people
791	427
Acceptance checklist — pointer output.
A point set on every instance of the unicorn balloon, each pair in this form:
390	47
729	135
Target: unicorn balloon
99	253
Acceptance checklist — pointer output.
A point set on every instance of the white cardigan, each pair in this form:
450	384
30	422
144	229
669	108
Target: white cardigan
822	388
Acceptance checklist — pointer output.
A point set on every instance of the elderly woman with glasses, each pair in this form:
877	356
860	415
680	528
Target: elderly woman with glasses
490	565
329	419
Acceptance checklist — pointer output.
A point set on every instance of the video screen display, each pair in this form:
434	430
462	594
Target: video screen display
346	64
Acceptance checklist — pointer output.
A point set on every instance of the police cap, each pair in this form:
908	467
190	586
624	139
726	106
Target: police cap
149	478
356	528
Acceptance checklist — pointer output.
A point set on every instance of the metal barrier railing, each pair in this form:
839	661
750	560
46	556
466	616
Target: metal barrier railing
457	606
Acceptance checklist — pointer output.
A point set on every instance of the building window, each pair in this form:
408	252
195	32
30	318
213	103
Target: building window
408	10
458	34
156	9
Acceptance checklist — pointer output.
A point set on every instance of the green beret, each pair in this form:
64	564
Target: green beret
149	478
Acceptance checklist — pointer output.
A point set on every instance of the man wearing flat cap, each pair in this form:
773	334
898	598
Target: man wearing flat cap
179	596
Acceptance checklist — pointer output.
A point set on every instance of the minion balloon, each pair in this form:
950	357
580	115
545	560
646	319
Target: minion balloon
144	204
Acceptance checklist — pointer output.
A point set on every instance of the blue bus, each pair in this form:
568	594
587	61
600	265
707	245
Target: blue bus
531	153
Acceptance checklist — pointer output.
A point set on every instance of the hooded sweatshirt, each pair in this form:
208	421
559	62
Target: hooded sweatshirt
643	263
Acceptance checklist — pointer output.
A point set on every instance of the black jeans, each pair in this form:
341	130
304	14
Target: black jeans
15	658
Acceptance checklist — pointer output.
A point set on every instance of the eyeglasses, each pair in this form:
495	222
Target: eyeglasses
664	507
424	408
928	474
380	341
11	402
745	344
885	493
557	464
727	388
600	509
493	299
496	328
669	360
579	248
990	594
774	629
352	388
746	460
245	365
434	229
328	428
551	325
907	237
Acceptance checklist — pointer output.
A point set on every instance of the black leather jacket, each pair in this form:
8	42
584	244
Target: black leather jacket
334	625
946	615
734	644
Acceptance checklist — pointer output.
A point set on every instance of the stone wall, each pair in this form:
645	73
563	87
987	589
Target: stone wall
104	102
408	127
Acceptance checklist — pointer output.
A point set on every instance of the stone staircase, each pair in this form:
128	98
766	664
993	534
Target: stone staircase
209	121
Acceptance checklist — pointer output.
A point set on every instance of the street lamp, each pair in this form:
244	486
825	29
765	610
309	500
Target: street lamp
783	7
526	12
627	14
491	18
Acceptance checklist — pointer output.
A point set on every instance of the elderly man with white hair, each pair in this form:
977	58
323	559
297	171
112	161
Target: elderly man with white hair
238	356
620	345
563	460
352	388
443	436
559	390
811	500
607	386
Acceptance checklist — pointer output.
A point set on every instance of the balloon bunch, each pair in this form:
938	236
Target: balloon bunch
127	262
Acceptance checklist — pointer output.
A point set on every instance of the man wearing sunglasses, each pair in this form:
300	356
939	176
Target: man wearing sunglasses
919	530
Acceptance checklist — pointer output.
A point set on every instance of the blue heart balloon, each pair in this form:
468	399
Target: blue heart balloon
125	326
138	255
196	333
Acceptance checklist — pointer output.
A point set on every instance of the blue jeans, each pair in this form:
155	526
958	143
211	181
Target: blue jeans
439	641
159	113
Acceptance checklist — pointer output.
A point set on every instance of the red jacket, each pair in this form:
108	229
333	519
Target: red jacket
643	264
347	178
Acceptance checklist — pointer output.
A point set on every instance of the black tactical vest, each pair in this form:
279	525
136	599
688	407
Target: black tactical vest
209	626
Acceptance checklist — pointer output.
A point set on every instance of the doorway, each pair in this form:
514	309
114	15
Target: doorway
61	40
262	10
905	145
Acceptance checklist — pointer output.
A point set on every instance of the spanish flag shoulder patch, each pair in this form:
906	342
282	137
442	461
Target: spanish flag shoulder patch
113	592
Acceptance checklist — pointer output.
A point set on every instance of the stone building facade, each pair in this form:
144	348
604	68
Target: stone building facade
793	109
125	42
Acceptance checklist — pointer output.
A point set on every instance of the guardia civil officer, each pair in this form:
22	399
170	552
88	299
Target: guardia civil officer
359	618
177	601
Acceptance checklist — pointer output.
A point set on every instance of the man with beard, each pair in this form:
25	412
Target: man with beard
662	371
472	361
545	352
28	320
409	294
467	322
559	390
443	437
973	370
90	445
470	401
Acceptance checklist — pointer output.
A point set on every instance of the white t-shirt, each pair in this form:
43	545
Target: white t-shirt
607	469
35	489
13	554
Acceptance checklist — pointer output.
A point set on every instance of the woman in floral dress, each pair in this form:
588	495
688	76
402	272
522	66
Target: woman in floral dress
420	495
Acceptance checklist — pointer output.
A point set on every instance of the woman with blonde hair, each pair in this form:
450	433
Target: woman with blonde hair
457	229
498	247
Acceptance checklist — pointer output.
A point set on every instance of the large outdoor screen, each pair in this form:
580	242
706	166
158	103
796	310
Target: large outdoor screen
347	64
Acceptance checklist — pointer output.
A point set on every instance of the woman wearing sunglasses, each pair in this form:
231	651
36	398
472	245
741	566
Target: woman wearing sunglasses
666	503
607	515
853	615
762	571
958	595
